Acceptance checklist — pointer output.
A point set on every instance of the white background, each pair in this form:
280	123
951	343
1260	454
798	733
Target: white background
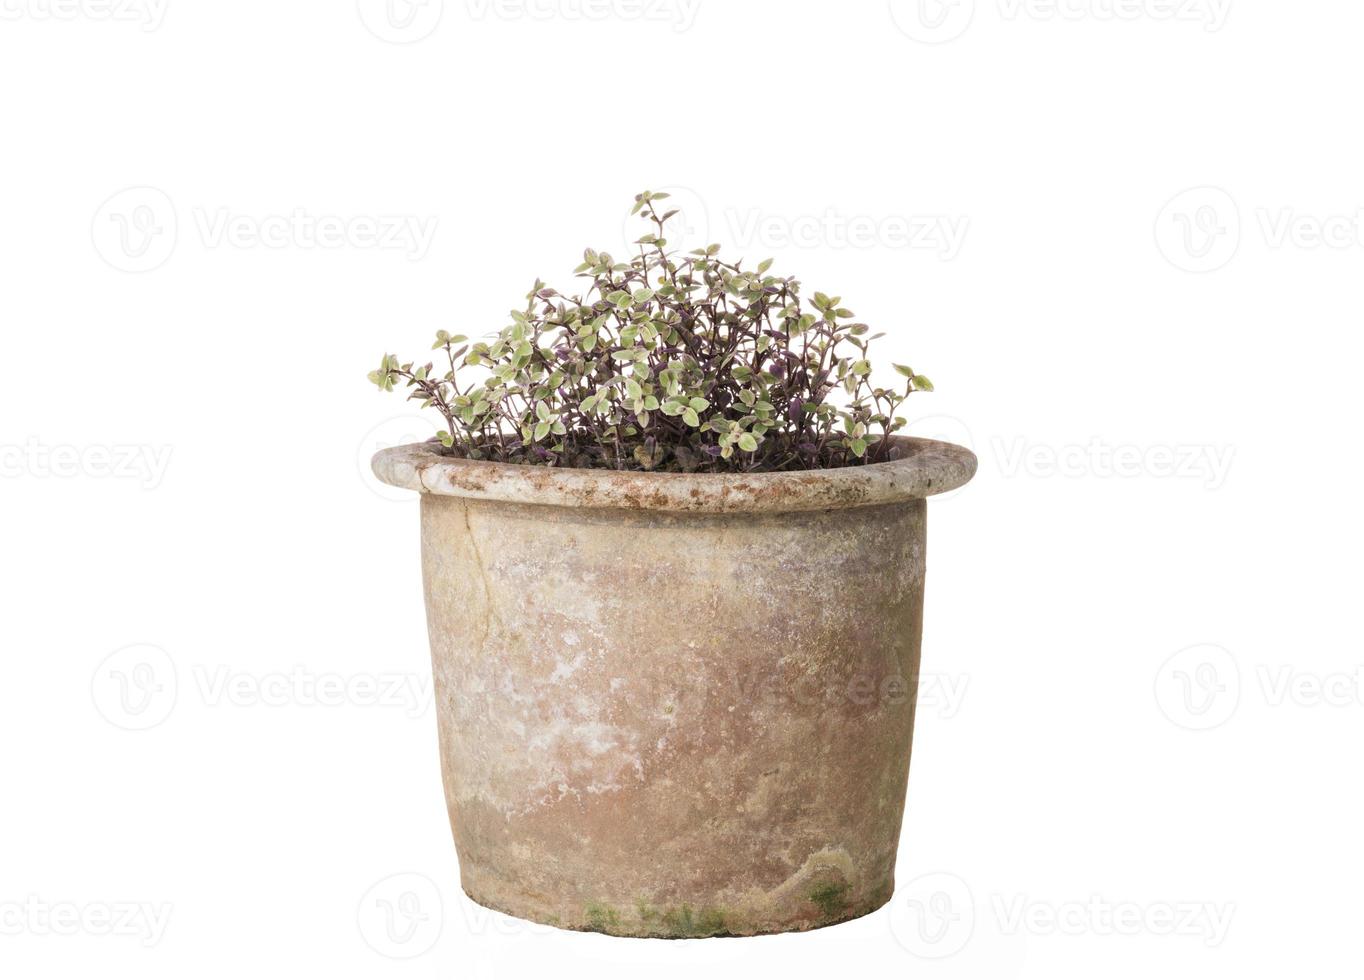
1122	237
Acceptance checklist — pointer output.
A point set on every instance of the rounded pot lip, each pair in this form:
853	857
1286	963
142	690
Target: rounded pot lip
927	467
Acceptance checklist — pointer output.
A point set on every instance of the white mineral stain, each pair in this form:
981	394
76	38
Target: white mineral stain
563	670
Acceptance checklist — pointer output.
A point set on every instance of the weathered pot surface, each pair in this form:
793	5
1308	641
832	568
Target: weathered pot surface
676	704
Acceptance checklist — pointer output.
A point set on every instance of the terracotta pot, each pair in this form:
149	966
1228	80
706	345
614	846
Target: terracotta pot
670	704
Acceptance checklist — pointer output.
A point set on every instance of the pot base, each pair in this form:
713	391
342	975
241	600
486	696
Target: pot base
642	922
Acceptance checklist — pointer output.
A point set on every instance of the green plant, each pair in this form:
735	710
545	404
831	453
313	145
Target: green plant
664	363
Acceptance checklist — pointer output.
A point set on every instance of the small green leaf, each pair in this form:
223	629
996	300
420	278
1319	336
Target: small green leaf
747	443
645	458
922	383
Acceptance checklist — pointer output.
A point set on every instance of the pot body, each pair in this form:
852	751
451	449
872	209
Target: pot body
658	723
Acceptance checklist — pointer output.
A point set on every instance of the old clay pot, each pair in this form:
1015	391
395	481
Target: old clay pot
670	704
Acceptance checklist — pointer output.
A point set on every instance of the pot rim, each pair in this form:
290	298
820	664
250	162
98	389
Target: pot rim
927	467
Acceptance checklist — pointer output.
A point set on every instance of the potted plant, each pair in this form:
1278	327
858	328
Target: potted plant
673	556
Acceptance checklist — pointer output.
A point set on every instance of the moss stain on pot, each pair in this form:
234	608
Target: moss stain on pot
830	898
676	705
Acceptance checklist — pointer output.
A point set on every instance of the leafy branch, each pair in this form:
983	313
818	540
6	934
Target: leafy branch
664	363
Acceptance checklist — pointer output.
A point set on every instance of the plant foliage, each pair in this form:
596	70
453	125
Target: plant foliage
664	363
